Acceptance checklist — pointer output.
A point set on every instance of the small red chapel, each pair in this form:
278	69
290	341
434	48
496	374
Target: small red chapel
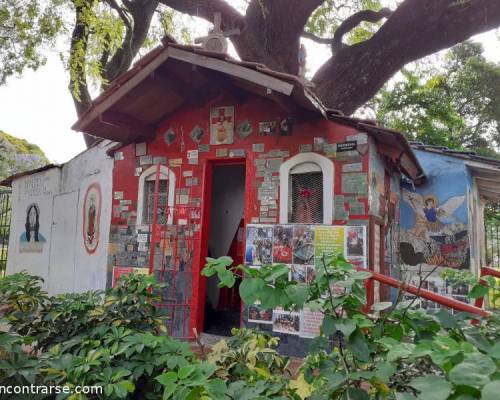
216	156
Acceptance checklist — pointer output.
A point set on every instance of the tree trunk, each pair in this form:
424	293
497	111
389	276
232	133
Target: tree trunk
271	32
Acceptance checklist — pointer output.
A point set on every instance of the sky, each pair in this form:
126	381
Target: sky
38	107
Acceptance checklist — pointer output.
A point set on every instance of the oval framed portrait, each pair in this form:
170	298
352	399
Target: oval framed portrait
92	217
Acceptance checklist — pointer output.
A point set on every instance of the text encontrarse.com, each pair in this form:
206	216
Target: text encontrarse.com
36	389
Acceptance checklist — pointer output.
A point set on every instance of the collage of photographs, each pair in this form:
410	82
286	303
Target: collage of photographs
435	283
301	248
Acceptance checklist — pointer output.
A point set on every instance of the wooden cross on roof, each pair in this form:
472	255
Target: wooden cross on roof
216	39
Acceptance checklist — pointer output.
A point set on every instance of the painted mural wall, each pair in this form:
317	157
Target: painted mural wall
435	232
61	218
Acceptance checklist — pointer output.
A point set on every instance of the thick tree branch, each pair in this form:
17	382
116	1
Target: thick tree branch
416	29
317	39
272	31
78	85
122	13
353	21
206	9
136	32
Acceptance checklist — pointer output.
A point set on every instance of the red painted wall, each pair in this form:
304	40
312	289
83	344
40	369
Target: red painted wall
256	110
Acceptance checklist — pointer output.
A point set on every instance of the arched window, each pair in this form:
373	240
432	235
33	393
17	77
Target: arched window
145	196
306	189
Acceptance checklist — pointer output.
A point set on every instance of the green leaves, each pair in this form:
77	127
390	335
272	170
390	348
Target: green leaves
344	325
399	351
477	291
473	371
25	29
449	104
250	289
491	391
297	294
358	345
432	387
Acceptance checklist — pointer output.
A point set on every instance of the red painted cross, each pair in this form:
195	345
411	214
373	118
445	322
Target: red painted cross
222	117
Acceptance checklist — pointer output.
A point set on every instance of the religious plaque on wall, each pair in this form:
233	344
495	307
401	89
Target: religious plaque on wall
222	125
91	217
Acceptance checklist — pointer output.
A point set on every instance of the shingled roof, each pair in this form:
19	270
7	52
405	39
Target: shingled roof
133	106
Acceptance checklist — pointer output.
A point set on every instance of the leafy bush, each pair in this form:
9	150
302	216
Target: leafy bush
393	352
116	340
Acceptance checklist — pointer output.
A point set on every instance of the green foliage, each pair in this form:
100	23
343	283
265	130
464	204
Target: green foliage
393	353
26	27
114	341
53	320
456	106
18	155
325	20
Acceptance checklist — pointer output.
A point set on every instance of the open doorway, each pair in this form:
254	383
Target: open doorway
223	305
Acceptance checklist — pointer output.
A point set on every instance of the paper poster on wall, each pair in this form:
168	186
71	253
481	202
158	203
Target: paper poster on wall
222	125
259	315
286	322
302	273
328	240
355	243
92	217
264	245
310	323
303	244
282	244
32	240
434	283
259	248
298	273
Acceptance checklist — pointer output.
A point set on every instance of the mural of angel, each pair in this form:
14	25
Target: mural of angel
438	237
431	216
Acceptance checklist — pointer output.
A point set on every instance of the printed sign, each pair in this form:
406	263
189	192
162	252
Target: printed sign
347	146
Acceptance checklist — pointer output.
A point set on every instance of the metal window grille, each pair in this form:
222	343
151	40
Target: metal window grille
5	213
149	193
493	245
306	197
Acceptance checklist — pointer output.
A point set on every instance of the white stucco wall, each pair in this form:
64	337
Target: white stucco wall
59	193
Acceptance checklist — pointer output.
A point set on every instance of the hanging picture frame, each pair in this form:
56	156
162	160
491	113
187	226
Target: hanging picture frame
222	125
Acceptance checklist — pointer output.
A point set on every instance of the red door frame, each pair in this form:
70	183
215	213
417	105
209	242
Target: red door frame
199	282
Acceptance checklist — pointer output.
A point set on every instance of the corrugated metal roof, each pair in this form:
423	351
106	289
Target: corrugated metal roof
463	154
485	170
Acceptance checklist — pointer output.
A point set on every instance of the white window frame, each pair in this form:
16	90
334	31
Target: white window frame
310	160
148	175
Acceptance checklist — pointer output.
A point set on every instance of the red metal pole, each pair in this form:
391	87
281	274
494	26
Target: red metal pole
490	272
486	271
427	294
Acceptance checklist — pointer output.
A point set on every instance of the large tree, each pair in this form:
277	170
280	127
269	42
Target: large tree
453	102
369	44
